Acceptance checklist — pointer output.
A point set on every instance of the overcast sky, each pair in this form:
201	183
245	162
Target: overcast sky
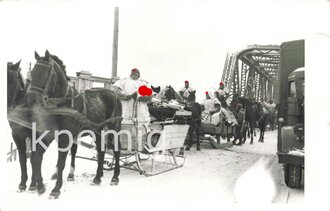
169	43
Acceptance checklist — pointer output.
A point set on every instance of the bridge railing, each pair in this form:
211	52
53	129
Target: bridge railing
85	80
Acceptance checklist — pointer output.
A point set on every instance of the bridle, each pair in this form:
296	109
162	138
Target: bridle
48	88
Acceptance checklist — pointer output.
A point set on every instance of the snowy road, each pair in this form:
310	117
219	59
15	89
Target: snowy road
248	173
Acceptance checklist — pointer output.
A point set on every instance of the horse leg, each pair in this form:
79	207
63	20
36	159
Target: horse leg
261	129
263	134
33	184
191	133
100	161
235	136
21	147
73	159
36	158
239	135
197	134
54	176
115	178
63	143
251	130
244	134
248	130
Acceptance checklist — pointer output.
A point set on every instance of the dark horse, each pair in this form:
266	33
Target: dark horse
251	114
16	91
263	118
99	110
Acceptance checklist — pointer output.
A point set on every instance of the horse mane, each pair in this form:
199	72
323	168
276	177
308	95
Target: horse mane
21	81
61	64
19	75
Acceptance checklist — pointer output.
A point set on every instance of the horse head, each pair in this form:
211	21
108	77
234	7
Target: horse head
155	89
260	108
192	96
169	93
15	84
48	79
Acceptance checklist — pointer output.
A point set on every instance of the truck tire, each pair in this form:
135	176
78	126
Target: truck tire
293	176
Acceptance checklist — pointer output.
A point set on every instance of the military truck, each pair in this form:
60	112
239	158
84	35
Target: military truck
291	142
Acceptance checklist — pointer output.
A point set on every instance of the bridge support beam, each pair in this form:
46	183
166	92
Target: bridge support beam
256	67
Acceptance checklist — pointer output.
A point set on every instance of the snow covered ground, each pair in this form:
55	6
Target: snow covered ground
211	178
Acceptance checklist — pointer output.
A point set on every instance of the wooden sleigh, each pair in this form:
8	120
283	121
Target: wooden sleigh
223	129
166	154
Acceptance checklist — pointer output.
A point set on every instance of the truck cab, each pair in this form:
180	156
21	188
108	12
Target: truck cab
291	118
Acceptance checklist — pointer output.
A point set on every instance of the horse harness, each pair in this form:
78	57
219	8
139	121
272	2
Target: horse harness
54	102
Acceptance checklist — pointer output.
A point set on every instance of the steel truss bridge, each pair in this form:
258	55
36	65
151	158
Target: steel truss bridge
255	66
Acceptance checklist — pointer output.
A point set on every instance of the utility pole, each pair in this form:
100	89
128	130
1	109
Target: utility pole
115	45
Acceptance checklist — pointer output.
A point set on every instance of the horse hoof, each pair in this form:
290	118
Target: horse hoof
70	177
41	190
96	181
181	153
33	188
21	188
54	194
54	177
187	148
198	149
251	143
114	181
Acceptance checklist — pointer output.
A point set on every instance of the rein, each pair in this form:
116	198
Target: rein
53	102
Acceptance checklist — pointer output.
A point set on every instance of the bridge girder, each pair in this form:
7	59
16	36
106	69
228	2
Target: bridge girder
256	66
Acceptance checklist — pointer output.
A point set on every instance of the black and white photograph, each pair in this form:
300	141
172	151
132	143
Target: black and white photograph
164	105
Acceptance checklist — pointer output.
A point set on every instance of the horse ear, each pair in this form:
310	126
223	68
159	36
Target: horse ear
152	87
16	66
47	55
36	55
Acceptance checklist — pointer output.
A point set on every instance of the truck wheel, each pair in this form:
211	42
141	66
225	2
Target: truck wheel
293	175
